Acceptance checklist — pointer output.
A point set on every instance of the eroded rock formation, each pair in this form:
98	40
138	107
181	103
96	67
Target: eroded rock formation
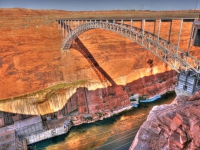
31	59
86	100
32	63
171	127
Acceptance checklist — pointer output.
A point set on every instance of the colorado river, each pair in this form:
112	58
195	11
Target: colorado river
114	133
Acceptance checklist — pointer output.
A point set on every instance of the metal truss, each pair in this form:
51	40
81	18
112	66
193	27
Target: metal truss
171	54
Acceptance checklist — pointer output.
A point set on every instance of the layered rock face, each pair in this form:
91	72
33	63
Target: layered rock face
113	97
171	127
97	104
89	101
31	59
100	103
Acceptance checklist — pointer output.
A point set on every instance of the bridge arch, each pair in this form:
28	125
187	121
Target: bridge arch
167	52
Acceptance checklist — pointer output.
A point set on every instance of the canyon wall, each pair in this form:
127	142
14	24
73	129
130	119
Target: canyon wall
101	101
93	100
173	127
31	60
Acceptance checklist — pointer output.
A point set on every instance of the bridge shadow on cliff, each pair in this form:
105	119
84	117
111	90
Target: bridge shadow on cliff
107	98
78	45
111	97
102	75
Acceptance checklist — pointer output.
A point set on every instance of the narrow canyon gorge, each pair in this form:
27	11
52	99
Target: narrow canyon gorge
93	80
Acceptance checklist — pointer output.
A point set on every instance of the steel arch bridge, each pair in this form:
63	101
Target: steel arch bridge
180	60
169	53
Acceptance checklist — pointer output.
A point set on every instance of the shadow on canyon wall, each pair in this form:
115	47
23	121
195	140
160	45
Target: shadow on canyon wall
117	96
105	99
79	46
102	75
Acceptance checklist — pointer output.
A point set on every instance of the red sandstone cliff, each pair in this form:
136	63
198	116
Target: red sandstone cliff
100	103
31	58
171	127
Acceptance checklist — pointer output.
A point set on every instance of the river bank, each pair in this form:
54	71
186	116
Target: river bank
83	106
65	126
109	133
174	126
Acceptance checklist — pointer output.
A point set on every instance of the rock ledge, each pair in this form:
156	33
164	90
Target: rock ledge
171	127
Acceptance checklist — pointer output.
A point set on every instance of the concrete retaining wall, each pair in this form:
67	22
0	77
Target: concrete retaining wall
46	134
25	131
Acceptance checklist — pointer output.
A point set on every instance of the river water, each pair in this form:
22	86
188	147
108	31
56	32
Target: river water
114	133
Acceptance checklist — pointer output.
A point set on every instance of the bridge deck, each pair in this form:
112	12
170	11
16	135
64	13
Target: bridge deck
185	19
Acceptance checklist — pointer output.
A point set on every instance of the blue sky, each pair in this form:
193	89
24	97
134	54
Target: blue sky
78	5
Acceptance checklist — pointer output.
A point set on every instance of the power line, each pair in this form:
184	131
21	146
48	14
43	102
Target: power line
108	131
123	145
109	142
123	137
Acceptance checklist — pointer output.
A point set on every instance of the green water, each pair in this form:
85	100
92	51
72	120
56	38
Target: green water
114	133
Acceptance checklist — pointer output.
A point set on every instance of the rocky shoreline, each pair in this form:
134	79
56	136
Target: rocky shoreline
171	127
86	105
75	121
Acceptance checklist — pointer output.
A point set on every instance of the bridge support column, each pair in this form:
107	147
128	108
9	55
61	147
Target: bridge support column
170	30
154	30
65	28
59	24
179	36
188	49
131	26
143	28
61	32
68	27
158	36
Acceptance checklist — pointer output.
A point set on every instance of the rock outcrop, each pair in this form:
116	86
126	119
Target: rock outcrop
31	57
171	127
31	60
88	101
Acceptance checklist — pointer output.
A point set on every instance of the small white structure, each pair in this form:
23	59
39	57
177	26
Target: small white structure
134	100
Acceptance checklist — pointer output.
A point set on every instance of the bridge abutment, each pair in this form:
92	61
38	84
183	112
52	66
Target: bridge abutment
180	92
